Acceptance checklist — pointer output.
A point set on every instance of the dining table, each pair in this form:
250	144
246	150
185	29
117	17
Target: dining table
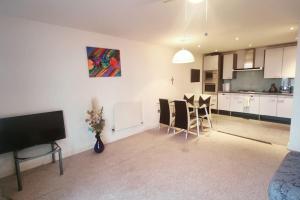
195	106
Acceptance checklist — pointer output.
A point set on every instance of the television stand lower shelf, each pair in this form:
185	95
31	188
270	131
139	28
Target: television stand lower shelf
55	148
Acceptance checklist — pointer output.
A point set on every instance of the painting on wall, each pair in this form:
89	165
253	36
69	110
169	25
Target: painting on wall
103	62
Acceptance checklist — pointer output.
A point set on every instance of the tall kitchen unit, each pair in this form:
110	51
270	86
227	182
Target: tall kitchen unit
212	64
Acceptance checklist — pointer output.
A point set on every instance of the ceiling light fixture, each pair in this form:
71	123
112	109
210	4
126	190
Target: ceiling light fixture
183	56
250	45
292	28
216	50
198	45
237	38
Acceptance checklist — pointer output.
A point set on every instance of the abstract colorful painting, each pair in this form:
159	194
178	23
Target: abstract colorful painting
103	62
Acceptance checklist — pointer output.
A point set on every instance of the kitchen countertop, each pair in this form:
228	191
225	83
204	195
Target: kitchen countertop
256	92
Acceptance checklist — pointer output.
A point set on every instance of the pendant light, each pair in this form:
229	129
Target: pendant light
183	56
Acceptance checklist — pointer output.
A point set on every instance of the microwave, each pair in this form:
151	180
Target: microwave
210	87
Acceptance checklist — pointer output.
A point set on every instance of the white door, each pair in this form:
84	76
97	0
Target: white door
214	102
268	105
237	103
211	62
254	104
224	101
273	63
285	106
289	62
228	61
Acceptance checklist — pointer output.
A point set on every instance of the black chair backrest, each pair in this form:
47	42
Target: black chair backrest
181	114
164	111
189	100
202	102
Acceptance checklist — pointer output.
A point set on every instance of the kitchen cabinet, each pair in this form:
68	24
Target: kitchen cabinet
237	103
273	63
251	104
224	101
285	106
289	62
211	62
268	105
214	102
244	103
229	63
258	104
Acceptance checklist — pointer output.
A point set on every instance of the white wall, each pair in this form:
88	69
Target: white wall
44	67
294	143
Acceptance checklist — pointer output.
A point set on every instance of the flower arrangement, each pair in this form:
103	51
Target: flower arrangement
96	121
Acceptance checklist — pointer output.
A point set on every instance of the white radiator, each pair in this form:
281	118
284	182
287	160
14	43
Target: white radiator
127	115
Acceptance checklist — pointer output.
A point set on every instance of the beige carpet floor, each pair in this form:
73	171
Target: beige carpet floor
154	165
274	133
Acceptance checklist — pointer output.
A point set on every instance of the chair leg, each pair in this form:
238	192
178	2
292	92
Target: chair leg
186	134
168	129
208	118
202	125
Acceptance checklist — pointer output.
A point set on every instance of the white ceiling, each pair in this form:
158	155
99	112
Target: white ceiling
259	22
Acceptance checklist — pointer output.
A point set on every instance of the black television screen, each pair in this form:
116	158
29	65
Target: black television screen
195	75
24	131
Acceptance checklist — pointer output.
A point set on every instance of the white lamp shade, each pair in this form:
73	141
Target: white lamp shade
183	56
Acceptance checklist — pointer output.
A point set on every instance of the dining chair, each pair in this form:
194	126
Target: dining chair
183	119
166	117
190	98
205	113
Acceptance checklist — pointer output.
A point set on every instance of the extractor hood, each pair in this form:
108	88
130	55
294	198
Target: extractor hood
245	60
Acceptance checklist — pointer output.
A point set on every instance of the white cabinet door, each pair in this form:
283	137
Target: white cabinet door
251	104
289	62
228	64
237	103
211	62
285	106
273	63
268	105
224	101
214	102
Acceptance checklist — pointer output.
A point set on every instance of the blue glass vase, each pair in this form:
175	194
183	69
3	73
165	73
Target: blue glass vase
99	146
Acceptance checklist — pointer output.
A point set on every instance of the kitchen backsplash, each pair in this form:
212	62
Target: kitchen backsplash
252	80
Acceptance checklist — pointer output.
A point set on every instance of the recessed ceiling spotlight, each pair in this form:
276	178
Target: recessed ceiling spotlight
250	45
195	1
292	28
198	45
237	38
216	50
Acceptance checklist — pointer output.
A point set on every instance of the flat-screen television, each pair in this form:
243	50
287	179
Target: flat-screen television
19	132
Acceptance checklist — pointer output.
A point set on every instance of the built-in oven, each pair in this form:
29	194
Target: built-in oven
210	75
210	87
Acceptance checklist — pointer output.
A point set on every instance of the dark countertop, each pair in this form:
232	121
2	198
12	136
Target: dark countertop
256	92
